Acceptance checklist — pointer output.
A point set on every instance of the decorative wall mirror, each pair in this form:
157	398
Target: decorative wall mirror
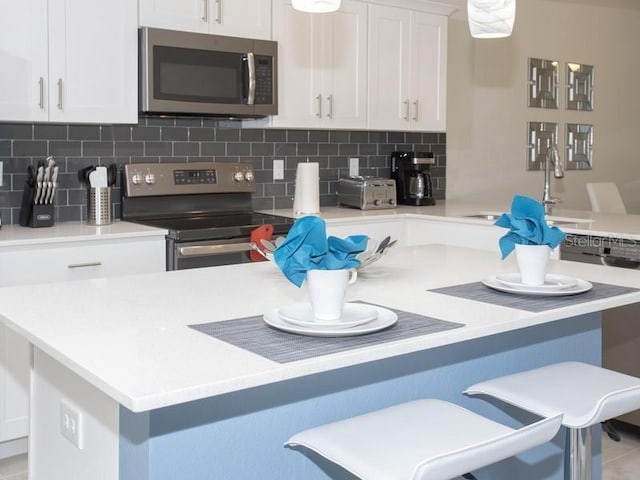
540	137
579	146
543	83
579	87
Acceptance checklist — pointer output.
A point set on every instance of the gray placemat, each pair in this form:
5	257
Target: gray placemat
481	293
251	333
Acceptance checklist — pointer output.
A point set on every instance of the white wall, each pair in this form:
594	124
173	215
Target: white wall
487	111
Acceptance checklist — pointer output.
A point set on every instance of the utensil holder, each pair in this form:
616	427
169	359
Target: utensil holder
99	206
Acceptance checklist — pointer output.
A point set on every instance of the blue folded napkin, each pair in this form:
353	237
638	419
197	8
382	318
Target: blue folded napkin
527	226
308	248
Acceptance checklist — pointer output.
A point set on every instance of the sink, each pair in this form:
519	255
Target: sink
484	216
551	220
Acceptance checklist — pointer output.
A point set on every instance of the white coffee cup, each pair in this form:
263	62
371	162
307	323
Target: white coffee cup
327	290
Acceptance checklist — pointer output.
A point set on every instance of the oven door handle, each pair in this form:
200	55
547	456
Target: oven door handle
200	250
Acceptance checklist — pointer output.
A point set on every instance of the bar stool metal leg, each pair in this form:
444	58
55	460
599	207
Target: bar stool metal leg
578	462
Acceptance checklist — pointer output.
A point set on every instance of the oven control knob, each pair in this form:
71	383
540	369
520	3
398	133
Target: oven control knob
248	176
136	179
150	178
238	176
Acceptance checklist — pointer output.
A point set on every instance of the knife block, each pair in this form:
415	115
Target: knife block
31	215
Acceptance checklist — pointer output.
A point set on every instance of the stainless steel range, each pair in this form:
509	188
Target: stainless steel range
205	206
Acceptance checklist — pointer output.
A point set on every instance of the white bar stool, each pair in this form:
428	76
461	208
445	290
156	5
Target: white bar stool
421	440
585	394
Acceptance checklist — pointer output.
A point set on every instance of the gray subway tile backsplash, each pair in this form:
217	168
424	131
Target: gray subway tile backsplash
196	139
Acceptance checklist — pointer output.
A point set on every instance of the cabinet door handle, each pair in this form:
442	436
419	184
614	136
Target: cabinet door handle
83	265
319	112
205	11
330	106
218	11
59	94
406	110
415	110
41	86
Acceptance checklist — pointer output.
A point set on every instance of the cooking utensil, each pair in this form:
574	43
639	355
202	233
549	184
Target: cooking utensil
83	175
268	246
383	244
112	174
258	235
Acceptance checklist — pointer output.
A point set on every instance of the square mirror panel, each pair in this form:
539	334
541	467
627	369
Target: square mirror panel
543	83
579	87
540	137
579	146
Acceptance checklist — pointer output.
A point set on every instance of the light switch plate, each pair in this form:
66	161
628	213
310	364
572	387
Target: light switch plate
278	169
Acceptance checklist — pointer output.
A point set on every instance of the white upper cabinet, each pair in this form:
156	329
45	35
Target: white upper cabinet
93	61
322	66
239	18
23	60
407	69
68	61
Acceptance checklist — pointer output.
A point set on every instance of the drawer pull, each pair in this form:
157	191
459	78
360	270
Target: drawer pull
82	265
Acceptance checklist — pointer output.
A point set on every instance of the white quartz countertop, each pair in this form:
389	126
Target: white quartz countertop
577	221
129	335
15	235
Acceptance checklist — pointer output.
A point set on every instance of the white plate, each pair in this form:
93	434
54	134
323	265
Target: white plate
551	282
385	319
580	287
352	314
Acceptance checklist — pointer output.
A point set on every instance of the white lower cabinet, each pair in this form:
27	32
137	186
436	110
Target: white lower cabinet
44	263
375	229
482	237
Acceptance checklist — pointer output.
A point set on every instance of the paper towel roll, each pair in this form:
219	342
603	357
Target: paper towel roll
306	200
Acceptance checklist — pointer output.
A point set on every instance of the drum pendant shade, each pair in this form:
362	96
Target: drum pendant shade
491	18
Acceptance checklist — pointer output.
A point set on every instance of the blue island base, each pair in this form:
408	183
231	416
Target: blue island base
240	436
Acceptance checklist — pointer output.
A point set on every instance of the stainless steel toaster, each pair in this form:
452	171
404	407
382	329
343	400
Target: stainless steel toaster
367	193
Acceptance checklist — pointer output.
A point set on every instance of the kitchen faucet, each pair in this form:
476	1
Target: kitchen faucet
553	156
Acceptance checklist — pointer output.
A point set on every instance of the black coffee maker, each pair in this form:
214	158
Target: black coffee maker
411	171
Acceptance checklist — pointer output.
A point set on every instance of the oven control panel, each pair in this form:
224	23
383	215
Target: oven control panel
151	179
194	177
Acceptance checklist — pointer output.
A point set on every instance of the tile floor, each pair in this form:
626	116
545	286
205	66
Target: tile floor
620	460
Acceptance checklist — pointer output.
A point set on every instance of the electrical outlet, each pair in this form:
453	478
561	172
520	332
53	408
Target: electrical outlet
278	169
354	167
71	424
1	173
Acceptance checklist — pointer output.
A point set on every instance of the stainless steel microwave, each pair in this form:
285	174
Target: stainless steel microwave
202	74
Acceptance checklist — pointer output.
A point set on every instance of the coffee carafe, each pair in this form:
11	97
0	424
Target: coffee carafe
411	171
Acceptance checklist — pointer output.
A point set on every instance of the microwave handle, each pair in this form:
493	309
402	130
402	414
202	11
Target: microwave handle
252	78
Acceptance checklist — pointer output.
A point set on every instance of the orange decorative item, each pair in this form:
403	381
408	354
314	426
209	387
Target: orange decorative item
262	232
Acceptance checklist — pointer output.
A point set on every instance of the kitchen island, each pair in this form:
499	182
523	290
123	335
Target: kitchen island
150	398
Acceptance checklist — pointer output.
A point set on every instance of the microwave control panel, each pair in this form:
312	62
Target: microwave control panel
264	79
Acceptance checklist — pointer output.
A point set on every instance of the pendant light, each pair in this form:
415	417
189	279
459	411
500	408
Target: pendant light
491	18
316	6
